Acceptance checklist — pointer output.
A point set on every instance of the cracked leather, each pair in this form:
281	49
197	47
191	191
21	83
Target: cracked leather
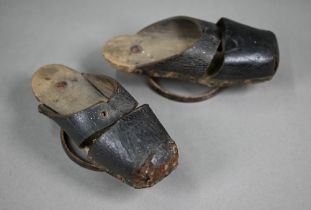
200	55
123	140
249	53
127	145
226	51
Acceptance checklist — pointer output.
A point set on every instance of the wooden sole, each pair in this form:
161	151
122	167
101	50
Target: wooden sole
64	90
155	43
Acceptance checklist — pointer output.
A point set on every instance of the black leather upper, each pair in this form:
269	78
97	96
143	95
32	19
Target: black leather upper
249	53
120	137
228	51
131	141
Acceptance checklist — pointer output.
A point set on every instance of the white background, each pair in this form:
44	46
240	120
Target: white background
247	148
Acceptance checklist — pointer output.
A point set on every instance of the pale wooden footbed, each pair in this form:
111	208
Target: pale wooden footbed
64	90
154	45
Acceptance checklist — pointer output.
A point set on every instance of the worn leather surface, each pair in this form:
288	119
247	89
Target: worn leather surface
249	53
227	51
135	138
83	125
195	60
127	142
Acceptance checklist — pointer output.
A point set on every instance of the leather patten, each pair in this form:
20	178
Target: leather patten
127	142
226	53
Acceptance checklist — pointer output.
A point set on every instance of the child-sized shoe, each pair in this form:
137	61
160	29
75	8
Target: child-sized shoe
216	55
98	115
